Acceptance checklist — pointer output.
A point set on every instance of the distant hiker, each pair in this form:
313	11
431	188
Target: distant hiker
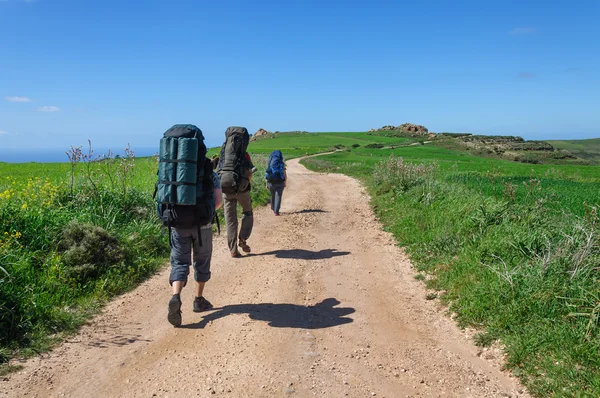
235	170
188	195
276	179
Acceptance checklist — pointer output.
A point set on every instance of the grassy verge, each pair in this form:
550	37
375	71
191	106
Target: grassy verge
514	250
72	236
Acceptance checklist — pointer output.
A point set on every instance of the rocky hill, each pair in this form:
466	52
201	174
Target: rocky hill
408	128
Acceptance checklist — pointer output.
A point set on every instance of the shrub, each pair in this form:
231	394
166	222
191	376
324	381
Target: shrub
398	175
355	145
374	146
88	251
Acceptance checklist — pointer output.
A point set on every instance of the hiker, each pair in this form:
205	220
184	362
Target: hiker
189	193
235	170
276	179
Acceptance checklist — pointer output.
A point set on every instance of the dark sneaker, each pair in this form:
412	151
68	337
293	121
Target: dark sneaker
236	255
201	304
244	245
174	316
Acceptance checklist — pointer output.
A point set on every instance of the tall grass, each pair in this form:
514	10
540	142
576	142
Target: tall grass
72	236
70	241
512	255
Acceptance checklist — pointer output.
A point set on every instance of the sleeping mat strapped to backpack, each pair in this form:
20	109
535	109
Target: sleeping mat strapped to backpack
184	191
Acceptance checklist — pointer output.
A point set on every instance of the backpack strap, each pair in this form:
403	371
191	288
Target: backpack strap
216	219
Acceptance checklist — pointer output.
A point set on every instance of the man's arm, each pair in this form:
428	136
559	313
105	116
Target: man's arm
218	198
217	191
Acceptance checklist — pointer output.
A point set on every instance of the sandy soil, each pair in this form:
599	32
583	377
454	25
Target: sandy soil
326	305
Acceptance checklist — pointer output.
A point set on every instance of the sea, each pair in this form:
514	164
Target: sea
58	155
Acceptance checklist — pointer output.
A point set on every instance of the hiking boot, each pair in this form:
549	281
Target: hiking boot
244	245
236	254
201	304
174	316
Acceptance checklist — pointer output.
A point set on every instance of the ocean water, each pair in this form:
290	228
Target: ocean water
58	155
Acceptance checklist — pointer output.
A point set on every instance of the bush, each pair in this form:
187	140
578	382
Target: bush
374	146
355	145
398	175
88	251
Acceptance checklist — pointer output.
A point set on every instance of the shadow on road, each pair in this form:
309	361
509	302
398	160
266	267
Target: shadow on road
318	316
301	254
308	211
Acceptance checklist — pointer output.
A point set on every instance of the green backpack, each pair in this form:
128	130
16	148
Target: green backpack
184	191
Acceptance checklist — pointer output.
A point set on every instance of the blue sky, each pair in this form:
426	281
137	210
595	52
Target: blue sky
119	72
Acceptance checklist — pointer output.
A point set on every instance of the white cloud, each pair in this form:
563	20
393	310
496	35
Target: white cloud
48	109
522	31
2	132
17	99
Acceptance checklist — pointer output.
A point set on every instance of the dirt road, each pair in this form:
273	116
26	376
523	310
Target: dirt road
325	306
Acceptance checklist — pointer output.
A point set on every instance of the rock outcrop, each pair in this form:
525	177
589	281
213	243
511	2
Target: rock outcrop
408	128
260	133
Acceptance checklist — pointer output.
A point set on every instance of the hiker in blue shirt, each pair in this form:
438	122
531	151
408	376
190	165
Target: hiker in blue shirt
276	179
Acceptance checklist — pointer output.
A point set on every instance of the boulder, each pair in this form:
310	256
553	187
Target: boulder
412	129
260	133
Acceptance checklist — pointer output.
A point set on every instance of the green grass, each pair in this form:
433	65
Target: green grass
43	296
294	145
586	149
71	241
571	185
515	248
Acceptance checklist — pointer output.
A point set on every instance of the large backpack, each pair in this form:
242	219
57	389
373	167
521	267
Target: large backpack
275	168
232	162
184	191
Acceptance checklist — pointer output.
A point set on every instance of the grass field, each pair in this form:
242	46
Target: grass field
512	248
299	144
586	149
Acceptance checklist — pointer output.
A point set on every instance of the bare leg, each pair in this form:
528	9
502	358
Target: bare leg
199	288
177	287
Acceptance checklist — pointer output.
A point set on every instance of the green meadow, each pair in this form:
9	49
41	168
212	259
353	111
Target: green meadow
513	249
586	149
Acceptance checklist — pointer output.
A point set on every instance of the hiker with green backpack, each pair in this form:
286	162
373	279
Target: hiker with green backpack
188	193
276	179
235	170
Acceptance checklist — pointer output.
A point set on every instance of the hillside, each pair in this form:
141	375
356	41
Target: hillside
586	149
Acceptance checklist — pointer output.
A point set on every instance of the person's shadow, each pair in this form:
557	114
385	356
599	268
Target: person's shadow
301	254
304	211
318	316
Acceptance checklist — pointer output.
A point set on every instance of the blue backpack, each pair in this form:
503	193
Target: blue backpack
276	168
